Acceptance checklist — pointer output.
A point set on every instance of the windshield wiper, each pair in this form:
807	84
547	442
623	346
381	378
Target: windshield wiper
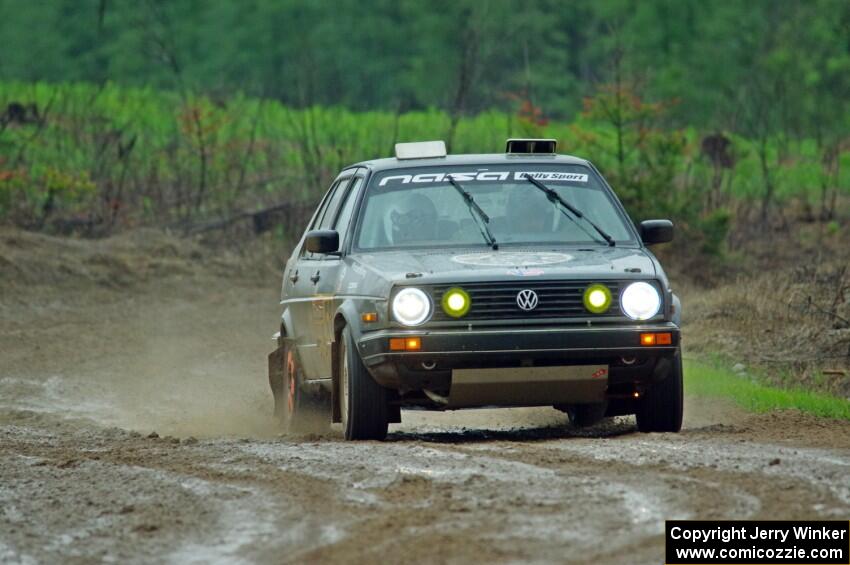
480	216
556	199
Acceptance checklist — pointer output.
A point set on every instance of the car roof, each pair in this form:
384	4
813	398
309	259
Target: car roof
472	159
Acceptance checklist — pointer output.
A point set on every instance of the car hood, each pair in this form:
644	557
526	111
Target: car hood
462	265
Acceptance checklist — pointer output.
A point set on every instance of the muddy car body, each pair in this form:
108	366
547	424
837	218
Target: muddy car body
436	281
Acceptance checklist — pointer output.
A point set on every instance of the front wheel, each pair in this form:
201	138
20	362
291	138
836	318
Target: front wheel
363	402
661	408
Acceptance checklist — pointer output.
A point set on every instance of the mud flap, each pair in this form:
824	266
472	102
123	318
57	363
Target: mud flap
336	411
394	412
276	367
663	367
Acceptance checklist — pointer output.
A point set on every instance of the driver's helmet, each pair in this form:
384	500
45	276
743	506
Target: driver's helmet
411	218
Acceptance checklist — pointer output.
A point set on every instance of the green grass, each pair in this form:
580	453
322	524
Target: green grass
703	379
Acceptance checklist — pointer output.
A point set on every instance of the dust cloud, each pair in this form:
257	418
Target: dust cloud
156	361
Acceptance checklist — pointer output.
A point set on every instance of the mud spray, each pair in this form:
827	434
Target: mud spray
187	366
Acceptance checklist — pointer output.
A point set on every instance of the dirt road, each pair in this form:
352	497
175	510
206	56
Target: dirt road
102	345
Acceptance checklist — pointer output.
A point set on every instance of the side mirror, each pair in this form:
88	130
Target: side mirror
656	231
322	241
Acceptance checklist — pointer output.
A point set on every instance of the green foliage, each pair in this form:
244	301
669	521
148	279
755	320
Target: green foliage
712	229
181	111
709	380
105	156
832	228
713	56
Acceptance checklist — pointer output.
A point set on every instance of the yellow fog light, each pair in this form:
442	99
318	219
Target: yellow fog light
597	298
456	302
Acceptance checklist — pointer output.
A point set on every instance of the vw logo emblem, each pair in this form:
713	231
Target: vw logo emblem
527	299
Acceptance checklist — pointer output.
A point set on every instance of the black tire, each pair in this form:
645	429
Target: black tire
363	402
292	407
662	407
586	415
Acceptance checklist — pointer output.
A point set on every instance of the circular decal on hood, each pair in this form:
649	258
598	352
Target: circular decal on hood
509	259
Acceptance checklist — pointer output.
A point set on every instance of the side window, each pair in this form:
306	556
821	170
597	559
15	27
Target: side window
344	217
327	212
323	205
328	215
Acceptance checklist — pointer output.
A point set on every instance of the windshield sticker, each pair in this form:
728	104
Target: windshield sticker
511	259
552	176
483	176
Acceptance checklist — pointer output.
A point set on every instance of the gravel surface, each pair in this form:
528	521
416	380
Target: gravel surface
135	427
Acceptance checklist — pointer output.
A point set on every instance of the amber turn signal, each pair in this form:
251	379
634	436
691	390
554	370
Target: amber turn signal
405	343
665	338
369	317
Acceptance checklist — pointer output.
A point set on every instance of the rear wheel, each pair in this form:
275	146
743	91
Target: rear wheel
363	402
293	408
661	408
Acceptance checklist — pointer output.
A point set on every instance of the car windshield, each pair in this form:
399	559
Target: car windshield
420	207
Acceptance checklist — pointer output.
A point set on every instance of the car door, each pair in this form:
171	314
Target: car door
299	287
330	271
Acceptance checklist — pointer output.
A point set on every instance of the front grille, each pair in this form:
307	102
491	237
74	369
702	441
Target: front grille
498	300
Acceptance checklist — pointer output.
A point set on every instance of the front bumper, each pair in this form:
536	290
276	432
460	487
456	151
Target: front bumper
630	366
479	347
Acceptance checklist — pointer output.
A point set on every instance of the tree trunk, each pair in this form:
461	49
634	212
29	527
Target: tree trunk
767	198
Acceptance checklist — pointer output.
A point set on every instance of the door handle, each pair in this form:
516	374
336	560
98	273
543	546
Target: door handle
315	278
294	277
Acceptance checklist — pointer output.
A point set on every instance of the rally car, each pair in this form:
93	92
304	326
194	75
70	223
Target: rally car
440	282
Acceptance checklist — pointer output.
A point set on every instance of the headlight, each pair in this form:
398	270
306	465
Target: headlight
640	301
597	298
456	302
411	307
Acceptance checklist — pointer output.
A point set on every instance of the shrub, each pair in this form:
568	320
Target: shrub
99	157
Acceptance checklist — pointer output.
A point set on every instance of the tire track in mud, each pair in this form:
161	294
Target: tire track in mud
551	494
113	495
517	492
83	366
